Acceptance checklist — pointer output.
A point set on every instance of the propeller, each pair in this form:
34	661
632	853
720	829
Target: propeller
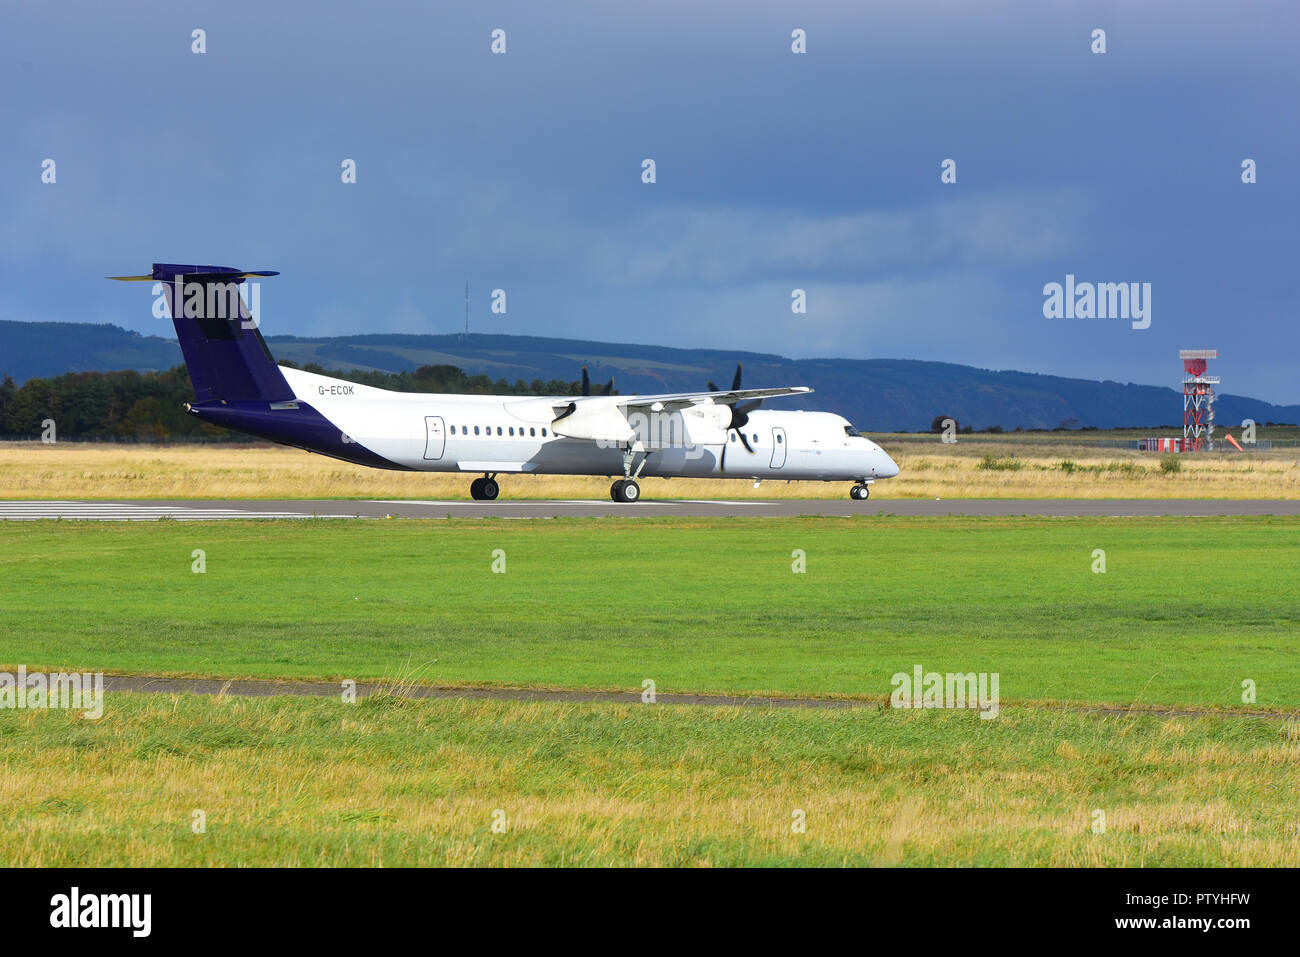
739	415
735	381
606	389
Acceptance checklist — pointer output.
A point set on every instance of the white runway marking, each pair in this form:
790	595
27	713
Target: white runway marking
719	501
126	512
419	501
606	501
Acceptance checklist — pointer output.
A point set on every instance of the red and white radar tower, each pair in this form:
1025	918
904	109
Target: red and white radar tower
1198	400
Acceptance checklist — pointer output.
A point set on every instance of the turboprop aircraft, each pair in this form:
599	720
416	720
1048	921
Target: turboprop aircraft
713	434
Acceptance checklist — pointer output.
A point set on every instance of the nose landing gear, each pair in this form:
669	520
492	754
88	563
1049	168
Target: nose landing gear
860	492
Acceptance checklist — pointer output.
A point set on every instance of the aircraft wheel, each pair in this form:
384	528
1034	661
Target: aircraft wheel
476	490
616	491
860	492
629	491
489	490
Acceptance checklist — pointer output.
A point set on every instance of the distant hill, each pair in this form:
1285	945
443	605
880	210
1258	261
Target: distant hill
878	395
39	350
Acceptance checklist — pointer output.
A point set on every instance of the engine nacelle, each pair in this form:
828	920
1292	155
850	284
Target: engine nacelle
706	424
604	422
696	426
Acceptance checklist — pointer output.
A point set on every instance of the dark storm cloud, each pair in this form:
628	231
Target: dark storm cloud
775	172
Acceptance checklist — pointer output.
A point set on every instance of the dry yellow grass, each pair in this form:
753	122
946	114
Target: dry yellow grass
292	782
931	470
31	470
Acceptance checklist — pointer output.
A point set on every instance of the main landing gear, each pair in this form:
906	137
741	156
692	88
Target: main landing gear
625	490
860	492
484	489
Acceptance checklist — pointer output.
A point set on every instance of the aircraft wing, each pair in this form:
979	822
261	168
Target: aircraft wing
684	400
604	418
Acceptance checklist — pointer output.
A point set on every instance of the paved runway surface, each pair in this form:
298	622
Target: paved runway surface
519	508
334	689
149	511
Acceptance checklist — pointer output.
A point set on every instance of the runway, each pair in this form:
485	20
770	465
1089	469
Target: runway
146	511
194	510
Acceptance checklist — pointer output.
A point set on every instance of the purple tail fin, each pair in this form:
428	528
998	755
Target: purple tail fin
225	353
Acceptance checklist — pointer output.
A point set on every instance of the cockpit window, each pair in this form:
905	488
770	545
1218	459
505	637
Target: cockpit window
850	430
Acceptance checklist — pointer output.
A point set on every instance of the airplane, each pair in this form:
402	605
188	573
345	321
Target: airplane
714	434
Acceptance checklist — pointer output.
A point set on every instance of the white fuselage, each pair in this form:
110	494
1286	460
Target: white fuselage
502	434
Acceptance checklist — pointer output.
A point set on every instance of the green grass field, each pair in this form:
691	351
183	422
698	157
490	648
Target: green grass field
1186	611
298	781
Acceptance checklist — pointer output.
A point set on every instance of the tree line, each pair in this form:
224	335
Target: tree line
150	406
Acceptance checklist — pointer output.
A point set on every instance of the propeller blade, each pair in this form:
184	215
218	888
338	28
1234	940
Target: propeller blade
609	386
713	386
740	413
735	382
586	382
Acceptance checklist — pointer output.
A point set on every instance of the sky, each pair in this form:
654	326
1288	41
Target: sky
774	171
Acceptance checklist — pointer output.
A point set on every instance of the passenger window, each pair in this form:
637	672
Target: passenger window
532	432
453	430
476	430
756	438
779	440
733	436
498	430
543	433
512	430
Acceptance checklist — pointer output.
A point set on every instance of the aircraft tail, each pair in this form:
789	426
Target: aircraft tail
224	351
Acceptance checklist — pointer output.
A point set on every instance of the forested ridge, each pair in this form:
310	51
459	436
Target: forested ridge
150	406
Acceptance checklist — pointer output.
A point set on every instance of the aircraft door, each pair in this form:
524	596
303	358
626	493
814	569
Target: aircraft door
436	438
778	448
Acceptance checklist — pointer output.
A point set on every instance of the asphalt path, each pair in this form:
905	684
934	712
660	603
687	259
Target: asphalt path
197	510
255	688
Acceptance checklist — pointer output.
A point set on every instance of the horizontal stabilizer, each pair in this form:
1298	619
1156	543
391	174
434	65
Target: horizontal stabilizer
166	272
